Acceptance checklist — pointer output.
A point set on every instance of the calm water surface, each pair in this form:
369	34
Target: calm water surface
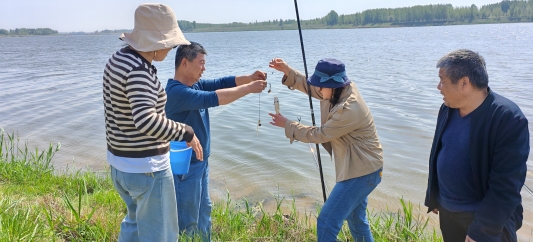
51	91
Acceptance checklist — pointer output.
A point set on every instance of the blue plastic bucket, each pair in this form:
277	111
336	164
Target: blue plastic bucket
180	157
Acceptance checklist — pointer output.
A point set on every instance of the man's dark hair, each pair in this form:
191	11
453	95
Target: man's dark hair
460	63
188	52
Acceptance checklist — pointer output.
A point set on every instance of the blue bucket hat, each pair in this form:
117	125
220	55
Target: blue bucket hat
329	73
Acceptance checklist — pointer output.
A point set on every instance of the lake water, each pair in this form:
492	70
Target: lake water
51	91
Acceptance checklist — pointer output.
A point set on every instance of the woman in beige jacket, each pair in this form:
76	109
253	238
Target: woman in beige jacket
348	133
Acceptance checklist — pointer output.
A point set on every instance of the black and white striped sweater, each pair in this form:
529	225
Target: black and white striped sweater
134	101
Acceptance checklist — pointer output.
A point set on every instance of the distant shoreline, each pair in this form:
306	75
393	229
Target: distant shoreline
414	16
27	35
368	26
244	29
59	34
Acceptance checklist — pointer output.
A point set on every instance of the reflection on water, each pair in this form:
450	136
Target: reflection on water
51	92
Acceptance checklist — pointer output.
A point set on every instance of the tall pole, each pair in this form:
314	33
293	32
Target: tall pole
310	101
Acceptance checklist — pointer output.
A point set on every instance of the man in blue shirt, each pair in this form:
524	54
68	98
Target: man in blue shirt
188	100
477	164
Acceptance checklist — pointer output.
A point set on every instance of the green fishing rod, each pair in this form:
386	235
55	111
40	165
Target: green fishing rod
319	161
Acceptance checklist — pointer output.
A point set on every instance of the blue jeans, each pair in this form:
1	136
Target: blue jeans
194	203
347	201
151	204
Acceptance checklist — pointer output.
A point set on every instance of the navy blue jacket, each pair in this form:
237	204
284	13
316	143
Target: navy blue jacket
499	139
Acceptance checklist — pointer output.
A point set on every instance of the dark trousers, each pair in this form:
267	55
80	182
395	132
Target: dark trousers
454	225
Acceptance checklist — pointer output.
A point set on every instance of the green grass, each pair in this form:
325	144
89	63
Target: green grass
38	203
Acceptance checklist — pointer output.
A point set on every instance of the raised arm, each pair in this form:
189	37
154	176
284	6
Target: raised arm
257	75
229	95
229	89
292	78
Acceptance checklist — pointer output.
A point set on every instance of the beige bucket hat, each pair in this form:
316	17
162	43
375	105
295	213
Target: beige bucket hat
155	28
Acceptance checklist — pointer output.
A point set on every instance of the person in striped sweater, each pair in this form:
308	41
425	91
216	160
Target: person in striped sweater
137	130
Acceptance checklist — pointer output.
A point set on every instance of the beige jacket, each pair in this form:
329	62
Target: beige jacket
347	131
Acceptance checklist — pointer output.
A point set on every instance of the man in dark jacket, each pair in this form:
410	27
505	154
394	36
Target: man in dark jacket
477	165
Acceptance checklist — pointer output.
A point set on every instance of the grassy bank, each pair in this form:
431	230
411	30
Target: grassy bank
38	203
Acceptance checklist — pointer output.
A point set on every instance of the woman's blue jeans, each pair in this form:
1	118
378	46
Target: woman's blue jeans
151	203
347	201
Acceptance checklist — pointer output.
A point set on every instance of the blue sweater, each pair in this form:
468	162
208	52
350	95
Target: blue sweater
189	105
454	169
499	148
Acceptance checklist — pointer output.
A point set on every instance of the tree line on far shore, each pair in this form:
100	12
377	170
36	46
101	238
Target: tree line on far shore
24	31
506	11
100	32
48	31
435	14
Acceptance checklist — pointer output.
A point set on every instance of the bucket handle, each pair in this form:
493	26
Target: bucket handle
180	150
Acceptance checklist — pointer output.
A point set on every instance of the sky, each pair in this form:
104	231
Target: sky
92	15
